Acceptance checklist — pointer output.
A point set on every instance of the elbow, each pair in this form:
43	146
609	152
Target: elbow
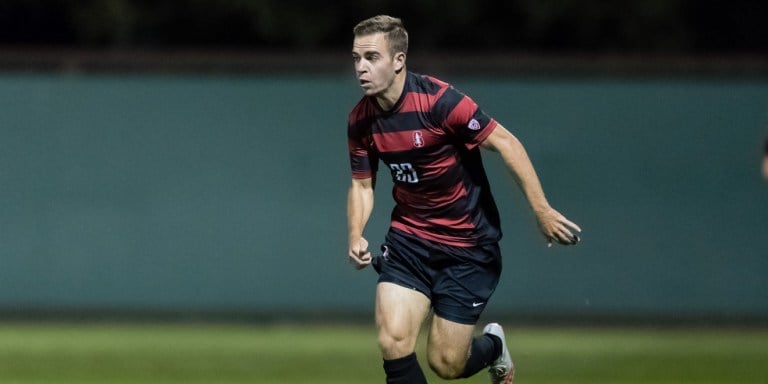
501	141
506	145
362	185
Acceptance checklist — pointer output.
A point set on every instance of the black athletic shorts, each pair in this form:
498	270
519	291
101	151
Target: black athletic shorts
458	281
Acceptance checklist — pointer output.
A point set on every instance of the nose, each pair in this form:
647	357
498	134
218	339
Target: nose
360	67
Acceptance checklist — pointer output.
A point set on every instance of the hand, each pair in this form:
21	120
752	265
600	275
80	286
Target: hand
556	227
359	256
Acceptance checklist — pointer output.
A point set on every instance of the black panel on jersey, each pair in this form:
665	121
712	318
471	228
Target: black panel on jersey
359	129
445	105
406	121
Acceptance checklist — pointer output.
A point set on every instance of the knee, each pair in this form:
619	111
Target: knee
447	365
394	344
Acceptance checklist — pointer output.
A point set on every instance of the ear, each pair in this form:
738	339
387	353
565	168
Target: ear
399	60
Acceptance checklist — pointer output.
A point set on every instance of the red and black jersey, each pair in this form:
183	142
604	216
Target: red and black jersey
429	140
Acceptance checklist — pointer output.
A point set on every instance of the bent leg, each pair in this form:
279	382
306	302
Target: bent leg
454	353
448	347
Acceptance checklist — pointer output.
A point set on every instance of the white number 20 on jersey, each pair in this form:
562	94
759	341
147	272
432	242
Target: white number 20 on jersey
404	172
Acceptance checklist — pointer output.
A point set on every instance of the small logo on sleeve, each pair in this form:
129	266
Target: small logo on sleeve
474	125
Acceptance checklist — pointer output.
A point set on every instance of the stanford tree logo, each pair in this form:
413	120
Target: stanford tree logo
418	139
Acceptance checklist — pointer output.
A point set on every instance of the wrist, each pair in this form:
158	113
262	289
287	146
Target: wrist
353	238
541	208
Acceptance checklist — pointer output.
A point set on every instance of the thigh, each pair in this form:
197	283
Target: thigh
400	311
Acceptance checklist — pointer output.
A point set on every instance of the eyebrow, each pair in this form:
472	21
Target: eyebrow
366	52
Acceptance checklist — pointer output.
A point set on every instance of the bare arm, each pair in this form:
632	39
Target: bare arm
359	208
552	224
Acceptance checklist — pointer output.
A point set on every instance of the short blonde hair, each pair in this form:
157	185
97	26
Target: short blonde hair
392	27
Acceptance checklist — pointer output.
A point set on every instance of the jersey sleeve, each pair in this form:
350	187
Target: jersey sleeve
362	157
462	118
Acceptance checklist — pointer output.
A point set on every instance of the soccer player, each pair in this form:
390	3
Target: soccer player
441	253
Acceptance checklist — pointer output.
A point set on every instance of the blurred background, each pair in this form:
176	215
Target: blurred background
188	159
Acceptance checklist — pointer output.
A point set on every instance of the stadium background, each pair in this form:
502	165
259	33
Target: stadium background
189	161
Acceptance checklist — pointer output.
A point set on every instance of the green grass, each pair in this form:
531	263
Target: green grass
62	353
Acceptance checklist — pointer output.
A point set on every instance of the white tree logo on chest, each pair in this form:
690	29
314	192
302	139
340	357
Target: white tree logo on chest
418	139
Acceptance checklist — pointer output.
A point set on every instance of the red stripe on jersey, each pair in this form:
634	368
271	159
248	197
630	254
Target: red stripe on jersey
394	141
363	109
359	175
462	113
437	81
439	165
452	241
404	140
457	223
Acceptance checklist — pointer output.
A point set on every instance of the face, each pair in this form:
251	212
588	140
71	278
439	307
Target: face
374	65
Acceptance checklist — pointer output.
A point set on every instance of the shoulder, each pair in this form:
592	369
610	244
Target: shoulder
360	118
435	96
443	95
445	98
427	84
363	111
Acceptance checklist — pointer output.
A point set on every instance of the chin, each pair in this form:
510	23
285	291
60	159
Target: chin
370	91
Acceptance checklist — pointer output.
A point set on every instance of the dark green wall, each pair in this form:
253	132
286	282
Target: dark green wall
221	193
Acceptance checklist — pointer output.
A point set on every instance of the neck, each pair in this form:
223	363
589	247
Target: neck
388	98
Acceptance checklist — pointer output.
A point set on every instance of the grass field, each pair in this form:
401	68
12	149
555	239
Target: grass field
67	353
